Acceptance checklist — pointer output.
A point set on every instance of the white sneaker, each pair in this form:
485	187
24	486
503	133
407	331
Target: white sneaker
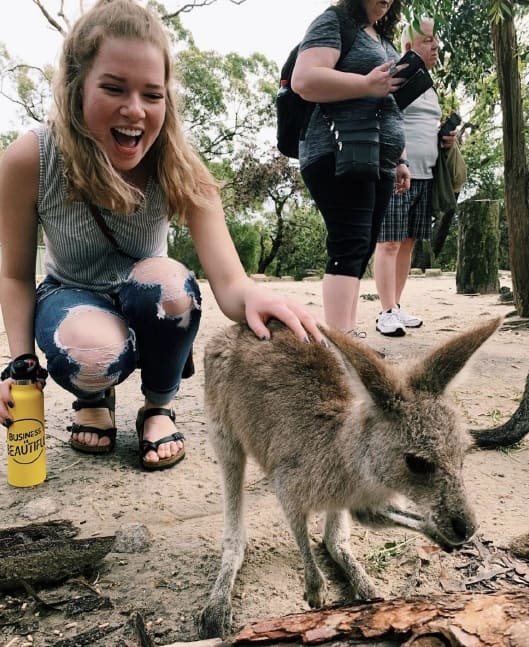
408	320
389	324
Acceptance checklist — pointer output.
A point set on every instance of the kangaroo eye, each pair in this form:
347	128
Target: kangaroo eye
419	465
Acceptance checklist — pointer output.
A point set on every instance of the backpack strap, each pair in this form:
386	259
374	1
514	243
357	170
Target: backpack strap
348	32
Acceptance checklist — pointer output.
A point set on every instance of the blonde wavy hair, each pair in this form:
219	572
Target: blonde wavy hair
184	179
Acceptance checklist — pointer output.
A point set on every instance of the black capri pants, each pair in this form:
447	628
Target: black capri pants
352	209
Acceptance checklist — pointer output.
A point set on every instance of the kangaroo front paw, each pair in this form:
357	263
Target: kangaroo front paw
316	592
364	589
215	620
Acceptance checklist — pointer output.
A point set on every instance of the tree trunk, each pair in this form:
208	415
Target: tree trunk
515	162
510	432
477	247
277	241
422	254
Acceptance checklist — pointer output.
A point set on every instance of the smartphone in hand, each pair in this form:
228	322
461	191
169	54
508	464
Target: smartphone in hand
413	62
416	79
450	124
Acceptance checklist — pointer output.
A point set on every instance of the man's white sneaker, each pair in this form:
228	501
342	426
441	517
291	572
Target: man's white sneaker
389	324
408	320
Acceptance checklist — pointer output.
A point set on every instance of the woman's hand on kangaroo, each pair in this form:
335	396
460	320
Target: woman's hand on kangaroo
263	305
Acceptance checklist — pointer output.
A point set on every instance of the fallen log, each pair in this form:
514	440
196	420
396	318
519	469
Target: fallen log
209	642
457	620
46	554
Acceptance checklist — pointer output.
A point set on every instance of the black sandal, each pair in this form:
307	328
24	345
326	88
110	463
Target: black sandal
147	445
106	402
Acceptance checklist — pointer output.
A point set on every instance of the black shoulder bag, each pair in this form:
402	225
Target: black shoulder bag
189	366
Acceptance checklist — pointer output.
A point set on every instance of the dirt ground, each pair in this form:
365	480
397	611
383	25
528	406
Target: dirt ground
182	508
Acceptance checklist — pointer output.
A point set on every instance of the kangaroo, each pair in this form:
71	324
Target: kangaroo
339	430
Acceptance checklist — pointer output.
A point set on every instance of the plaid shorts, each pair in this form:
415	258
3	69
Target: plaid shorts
409	215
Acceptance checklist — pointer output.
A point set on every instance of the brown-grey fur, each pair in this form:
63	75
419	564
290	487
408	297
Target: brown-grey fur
338	430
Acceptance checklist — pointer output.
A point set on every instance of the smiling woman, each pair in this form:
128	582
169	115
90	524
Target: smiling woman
104	179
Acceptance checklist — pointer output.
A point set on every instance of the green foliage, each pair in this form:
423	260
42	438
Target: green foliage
180	246
303	245
379	559
463	27
7	138
226	104
246	237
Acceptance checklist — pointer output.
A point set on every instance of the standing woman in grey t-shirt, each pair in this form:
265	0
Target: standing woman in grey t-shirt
352	207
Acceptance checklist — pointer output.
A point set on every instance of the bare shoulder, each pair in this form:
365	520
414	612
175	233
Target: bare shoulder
19	167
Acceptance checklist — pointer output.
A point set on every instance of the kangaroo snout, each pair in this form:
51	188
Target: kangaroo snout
457	531
464	528
450	533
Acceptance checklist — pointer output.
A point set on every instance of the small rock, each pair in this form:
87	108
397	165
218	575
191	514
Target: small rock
520	547
132	538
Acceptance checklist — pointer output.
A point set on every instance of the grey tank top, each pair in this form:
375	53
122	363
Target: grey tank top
77	253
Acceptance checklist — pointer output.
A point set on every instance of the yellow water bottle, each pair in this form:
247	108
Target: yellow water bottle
26	448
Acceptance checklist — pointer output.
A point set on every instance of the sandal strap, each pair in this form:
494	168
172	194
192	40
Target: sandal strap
157	411
147	445
108	401
109	433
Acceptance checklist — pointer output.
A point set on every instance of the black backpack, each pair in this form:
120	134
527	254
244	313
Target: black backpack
293	112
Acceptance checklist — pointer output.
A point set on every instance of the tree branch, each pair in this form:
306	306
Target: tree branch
62	15
27	108
186	8
25	66
49	17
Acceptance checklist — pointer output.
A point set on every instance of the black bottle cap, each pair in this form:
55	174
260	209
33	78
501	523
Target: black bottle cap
24	367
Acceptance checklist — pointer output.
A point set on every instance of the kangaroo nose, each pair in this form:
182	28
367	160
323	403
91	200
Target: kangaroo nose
462	527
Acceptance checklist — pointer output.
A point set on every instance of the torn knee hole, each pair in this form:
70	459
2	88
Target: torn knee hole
176	307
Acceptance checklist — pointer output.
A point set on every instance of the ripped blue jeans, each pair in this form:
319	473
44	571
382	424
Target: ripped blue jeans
95	340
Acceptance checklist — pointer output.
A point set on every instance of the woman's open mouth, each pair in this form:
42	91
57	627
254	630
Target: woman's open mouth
127	137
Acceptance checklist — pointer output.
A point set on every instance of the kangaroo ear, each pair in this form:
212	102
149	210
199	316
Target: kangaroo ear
434	373
366	370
